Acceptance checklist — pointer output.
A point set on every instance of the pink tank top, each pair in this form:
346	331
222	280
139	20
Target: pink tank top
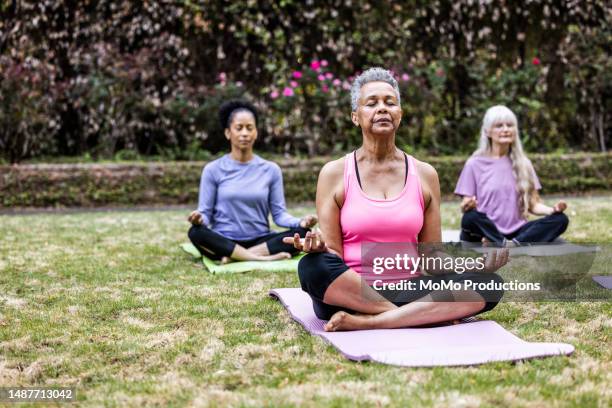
365	219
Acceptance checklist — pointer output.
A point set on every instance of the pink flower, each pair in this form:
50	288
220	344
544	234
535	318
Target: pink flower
288	91
440	72
346	86
296	74
321	77
315	65
239	84
535	61
324	63
337	82
222	77
293	84
325	88
274	94
329	75
405	77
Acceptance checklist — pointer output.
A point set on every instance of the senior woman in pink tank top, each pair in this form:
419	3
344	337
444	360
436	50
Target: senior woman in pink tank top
378	194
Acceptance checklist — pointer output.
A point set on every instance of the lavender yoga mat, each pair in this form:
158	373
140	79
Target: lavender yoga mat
463	344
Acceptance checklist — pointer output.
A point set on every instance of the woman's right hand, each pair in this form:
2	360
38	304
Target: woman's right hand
312	242
195	218
495	259
468	203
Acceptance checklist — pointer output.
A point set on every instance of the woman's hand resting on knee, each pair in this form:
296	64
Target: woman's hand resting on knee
195	218
495	259
468	203
308	221
312	242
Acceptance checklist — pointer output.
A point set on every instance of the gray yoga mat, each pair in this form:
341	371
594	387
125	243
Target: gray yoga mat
603	281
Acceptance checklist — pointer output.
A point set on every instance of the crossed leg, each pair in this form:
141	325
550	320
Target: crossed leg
348	291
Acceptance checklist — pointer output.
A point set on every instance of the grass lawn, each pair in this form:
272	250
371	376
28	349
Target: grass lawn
107	302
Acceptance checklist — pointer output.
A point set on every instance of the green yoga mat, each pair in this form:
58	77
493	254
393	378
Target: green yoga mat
286	265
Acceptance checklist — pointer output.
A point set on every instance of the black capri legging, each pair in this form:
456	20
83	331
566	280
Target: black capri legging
215	246
318	270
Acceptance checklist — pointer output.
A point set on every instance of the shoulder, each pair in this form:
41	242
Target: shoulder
426	171
333	170
213	167
530	164
215	164
331	181
430	184
472	161
267	164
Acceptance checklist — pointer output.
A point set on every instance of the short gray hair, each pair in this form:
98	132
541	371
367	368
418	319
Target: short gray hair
375	74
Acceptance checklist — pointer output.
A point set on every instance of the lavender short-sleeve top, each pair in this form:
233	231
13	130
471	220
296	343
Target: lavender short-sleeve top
493	183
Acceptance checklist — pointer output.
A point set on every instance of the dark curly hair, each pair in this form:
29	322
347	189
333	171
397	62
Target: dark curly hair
230	108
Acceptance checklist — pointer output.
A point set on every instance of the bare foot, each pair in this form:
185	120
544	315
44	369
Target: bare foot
225	260
509	244
276	257
342	321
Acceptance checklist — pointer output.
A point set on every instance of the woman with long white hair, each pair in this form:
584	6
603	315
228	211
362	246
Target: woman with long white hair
499	187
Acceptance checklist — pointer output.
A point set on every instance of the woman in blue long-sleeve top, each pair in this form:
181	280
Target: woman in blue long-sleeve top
237	193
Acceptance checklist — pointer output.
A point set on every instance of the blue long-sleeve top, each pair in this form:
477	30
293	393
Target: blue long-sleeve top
235	198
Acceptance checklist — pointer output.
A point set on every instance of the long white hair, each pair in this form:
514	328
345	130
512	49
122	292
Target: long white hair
521	166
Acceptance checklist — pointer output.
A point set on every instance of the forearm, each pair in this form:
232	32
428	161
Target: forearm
285	220
540	208
276	203
205	208
207	195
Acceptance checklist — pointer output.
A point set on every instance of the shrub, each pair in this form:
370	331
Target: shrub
178	182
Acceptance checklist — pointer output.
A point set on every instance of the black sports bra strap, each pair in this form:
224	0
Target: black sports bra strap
406	161
357	168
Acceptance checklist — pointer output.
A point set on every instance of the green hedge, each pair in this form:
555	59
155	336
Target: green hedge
92	185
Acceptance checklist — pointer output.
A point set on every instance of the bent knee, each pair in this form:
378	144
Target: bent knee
562	219
468	219
311	270
193	231
317	271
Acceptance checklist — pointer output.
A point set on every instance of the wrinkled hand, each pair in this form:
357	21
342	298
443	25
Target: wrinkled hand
195	218
495	259
312	242
560	207
308	221
468	203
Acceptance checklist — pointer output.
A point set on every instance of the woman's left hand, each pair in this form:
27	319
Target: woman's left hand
308	221
560	207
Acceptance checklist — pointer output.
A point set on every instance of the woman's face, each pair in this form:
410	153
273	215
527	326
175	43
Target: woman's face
378	110
242	132
502	132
